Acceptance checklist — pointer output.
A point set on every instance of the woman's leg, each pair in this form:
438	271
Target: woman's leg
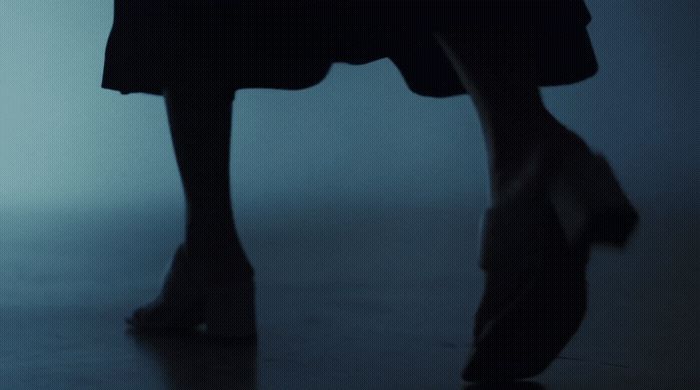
529	150
534	297
200	124
503	87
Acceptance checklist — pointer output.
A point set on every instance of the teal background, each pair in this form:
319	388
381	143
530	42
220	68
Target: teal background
357	203
360	134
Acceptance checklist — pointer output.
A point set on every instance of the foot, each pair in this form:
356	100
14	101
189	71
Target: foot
180	304
535	245
535	293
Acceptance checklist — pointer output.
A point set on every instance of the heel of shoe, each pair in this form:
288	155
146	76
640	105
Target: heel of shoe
590	203
230	310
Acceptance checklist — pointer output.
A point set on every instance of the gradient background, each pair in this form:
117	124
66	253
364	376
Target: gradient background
357	168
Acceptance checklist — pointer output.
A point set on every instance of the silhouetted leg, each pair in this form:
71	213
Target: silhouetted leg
211	258
503	87
530	151
200	123
534	297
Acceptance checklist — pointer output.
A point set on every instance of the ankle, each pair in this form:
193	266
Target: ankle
524	172
221	256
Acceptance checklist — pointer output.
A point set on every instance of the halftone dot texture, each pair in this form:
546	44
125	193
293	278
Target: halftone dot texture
357	179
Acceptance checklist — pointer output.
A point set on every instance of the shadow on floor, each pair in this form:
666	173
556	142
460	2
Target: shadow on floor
192	361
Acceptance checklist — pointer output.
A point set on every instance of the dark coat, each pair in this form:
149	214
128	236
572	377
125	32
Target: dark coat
291	44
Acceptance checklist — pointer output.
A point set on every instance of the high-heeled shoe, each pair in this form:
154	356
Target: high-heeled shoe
180	304
535	293
219	293
535	245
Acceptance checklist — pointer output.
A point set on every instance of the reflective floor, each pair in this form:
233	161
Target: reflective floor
351	297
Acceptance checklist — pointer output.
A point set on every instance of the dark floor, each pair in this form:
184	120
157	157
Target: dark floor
352	297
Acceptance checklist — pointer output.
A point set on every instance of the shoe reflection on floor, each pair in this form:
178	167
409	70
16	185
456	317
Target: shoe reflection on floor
191	360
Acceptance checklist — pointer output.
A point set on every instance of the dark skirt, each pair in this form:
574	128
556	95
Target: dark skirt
291	44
